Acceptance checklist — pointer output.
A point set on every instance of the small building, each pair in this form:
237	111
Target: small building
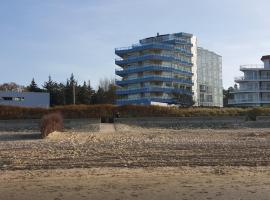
253	89
25	99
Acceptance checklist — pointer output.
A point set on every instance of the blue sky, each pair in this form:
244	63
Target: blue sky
60	37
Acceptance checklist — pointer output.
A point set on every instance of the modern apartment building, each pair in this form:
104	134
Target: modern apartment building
209	78
253	88
160	69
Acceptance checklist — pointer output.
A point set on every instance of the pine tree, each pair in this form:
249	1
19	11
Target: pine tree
33	87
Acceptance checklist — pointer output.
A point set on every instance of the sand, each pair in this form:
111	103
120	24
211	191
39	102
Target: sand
136	163
153	183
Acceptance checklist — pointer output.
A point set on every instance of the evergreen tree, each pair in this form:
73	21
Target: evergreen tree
71	87
226	96
33	87
84	94
56	92
110	96
99	96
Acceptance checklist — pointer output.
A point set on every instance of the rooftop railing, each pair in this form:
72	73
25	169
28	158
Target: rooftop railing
153	45
251	66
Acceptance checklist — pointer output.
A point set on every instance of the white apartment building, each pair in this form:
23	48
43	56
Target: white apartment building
253	88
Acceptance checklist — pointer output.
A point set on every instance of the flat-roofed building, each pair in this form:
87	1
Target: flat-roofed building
209	78
160	69
25	99
253	89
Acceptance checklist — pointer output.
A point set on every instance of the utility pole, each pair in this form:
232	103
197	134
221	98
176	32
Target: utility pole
74	98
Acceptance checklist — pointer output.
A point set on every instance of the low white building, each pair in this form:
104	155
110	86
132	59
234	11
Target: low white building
25	99
253	89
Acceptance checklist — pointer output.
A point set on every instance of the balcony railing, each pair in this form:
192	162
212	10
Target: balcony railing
261	78
139	47
248	101
251	66
131	70
164	57
253	89
145	100
153	78
149	89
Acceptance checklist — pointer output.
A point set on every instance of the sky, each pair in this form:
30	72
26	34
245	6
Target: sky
39	38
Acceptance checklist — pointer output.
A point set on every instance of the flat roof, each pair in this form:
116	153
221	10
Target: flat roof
267	57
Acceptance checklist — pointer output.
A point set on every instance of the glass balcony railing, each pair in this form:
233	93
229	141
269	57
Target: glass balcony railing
251	89
163	57
153	78
254	66
261	78
149	89
140	47
137	69
145	100
249	101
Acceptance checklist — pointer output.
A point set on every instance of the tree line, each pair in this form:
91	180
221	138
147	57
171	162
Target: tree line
70	92
63	94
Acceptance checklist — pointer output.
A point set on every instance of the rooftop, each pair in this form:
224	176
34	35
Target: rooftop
267	57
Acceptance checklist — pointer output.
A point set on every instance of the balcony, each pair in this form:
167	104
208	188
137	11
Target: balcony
245	79
244	101
253	89
179	41
162	57
140	47
249	101
153	78
145	100
152	89
132	70
251	67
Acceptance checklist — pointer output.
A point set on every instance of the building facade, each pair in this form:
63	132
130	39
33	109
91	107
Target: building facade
209	78
160	69
253	89
25	99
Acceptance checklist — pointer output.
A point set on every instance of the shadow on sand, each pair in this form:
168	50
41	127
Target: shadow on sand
15	136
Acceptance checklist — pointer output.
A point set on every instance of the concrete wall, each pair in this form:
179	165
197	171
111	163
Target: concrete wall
34	124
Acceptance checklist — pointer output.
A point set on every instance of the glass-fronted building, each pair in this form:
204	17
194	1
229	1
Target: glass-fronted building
209	78
253	89
160	69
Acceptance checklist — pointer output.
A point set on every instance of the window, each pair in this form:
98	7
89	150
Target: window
12	98
7	98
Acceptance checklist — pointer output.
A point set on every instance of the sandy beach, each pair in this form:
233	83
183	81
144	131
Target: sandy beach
136	163
151	183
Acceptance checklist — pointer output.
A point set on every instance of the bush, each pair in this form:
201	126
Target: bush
253	113
108	110
50	123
